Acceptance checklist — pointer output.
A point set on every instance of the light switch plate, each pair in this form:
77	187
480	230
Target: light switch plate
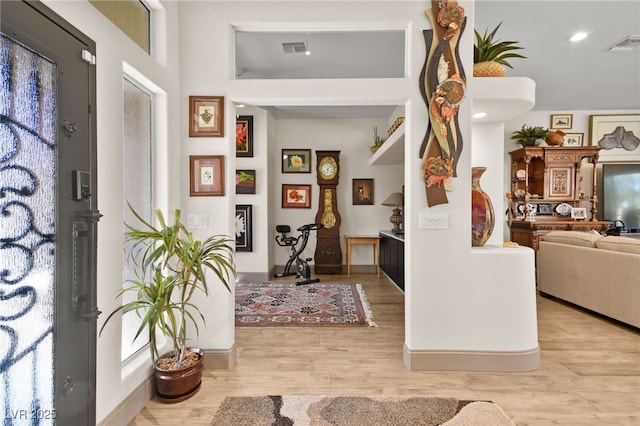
433	221
197	221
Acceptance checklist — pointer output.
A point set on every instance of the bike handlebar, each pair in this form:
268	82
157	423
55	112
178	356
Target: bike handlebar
311	227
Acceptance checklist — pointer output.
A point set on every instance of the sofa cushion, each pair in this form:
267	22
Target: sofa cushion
574	238
624	244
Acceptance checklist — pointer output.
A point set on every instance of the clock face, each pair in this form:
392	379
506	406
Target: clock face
328	168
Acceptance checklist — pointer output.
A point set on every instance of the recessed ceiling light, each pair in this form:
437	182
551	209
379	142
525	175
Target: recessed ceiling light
578	36
479	115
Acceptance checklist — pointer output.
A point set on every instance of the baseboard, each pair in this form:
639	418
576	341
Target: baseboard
221	359
253	277
505	361
129	408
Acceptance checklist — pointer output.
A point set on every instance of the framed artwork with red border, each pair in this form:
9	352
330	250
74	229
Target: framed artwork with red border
296	196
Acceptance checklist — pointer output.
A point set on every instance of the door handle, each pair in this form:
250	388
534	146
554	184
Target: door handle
85	234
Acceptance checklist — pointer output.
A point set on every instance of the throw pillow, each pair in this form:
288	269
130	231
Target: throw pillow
574	238
624	244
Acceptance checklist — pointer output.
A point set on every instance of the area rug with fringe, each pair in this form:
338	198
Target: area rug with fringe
287	304
299	410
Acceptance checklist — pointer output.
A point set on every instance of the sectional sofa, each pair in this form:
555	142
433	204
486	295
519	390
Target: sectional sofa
599	273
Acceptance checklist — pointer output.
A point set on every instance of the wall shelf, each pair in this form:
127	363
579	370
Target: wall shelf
392	150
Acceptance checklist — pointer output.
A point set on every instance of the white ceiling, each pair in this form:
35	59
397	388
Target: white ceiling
568	76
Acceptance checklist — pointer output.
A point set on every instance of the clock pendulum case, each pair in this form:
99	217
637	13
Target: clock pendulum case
328	255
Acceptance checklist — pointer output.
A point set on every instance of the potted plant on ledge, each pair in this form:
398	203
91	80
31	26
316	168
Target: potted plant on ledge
530	135
170	267
490	56
377	140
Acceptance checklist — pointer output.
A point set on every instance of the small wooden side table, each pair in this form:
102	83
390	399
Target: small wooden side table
364	239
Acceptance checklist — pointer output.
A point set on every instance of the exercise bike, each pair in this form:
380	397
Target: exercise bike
297	244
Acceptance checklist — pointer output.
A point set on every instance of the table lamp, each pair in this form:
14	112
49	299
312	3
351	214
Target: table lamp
395	200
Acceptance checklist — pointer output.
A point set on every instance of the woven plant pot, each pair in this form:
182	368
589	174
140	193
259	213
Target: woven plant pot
488	69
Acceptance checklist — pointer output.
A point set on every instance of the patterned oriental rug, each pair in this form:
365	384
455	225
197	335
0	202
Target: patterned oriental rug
374	411
317	304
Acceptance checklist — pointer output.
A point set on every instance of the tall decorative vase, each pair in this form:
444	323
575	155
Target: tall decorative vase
482	216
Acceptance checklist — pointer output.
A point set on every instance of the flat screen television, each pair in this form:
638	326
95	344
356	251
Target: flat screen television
621	194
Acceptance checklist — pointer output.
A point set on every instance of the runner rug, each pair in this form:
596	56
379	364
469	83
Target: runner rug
286	304
345	410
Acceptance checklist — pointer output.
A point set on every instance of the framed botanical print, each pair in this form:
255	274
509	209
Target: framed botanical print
296	196
244	136
296	161
245	181
206	116
244	227
206	175
573	139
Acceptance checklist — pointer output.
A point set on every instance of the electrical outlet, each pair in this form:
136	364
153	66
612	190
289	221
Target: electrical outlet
433	221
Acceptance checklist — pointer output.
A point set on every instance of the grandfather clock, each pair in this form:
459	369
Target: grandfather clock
328	255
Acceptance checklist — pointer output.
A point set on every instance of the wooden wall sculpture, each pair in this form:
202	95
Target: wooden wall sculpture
442	85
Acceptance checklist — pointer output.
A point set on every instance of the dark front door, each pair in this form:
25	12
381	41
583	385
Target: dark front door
48	219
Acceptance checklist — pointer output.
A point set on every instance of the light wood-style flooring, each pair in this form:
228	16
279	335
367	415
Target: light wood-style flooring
590	372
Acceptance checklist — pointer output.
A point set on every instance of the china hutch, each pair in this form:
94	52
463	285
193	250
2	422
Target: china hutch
549	192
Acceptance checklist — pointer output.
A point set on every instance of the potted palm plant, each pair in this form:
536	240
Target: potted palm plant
530	135
170	267
490	56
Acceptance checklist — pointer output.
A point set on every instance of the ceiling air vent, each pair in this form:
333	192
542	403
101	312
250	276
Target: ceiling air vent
627	44
294	48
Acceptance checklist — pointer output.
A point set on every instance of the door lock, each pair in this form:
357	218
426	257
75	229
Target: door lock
81	185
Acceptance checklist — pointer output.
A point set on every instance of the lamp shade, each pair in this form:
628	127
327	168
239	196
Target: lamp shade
394	200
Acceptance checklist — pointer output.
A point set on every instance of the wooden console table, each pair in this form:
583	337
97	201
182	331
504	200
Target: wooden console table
364	239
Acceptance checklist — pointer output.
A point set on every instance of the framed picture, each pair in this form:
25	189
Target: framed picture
244	136
544	209
617	135
578	213
362	192
296	161
206	116
206	175
561	121
296	196
244	225
245	181
560	182
573	139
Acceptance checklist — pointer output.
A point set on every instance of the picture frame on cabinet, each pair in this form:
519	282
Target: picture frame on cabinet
244	227
206	175
544	209
245	181
362	192
296	196
578	213
561	121
296	161
206	116
617	135
244	136
573	139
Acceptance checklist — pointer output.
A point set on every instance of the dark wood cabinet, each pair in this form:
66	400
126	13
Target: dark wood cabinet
392	257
